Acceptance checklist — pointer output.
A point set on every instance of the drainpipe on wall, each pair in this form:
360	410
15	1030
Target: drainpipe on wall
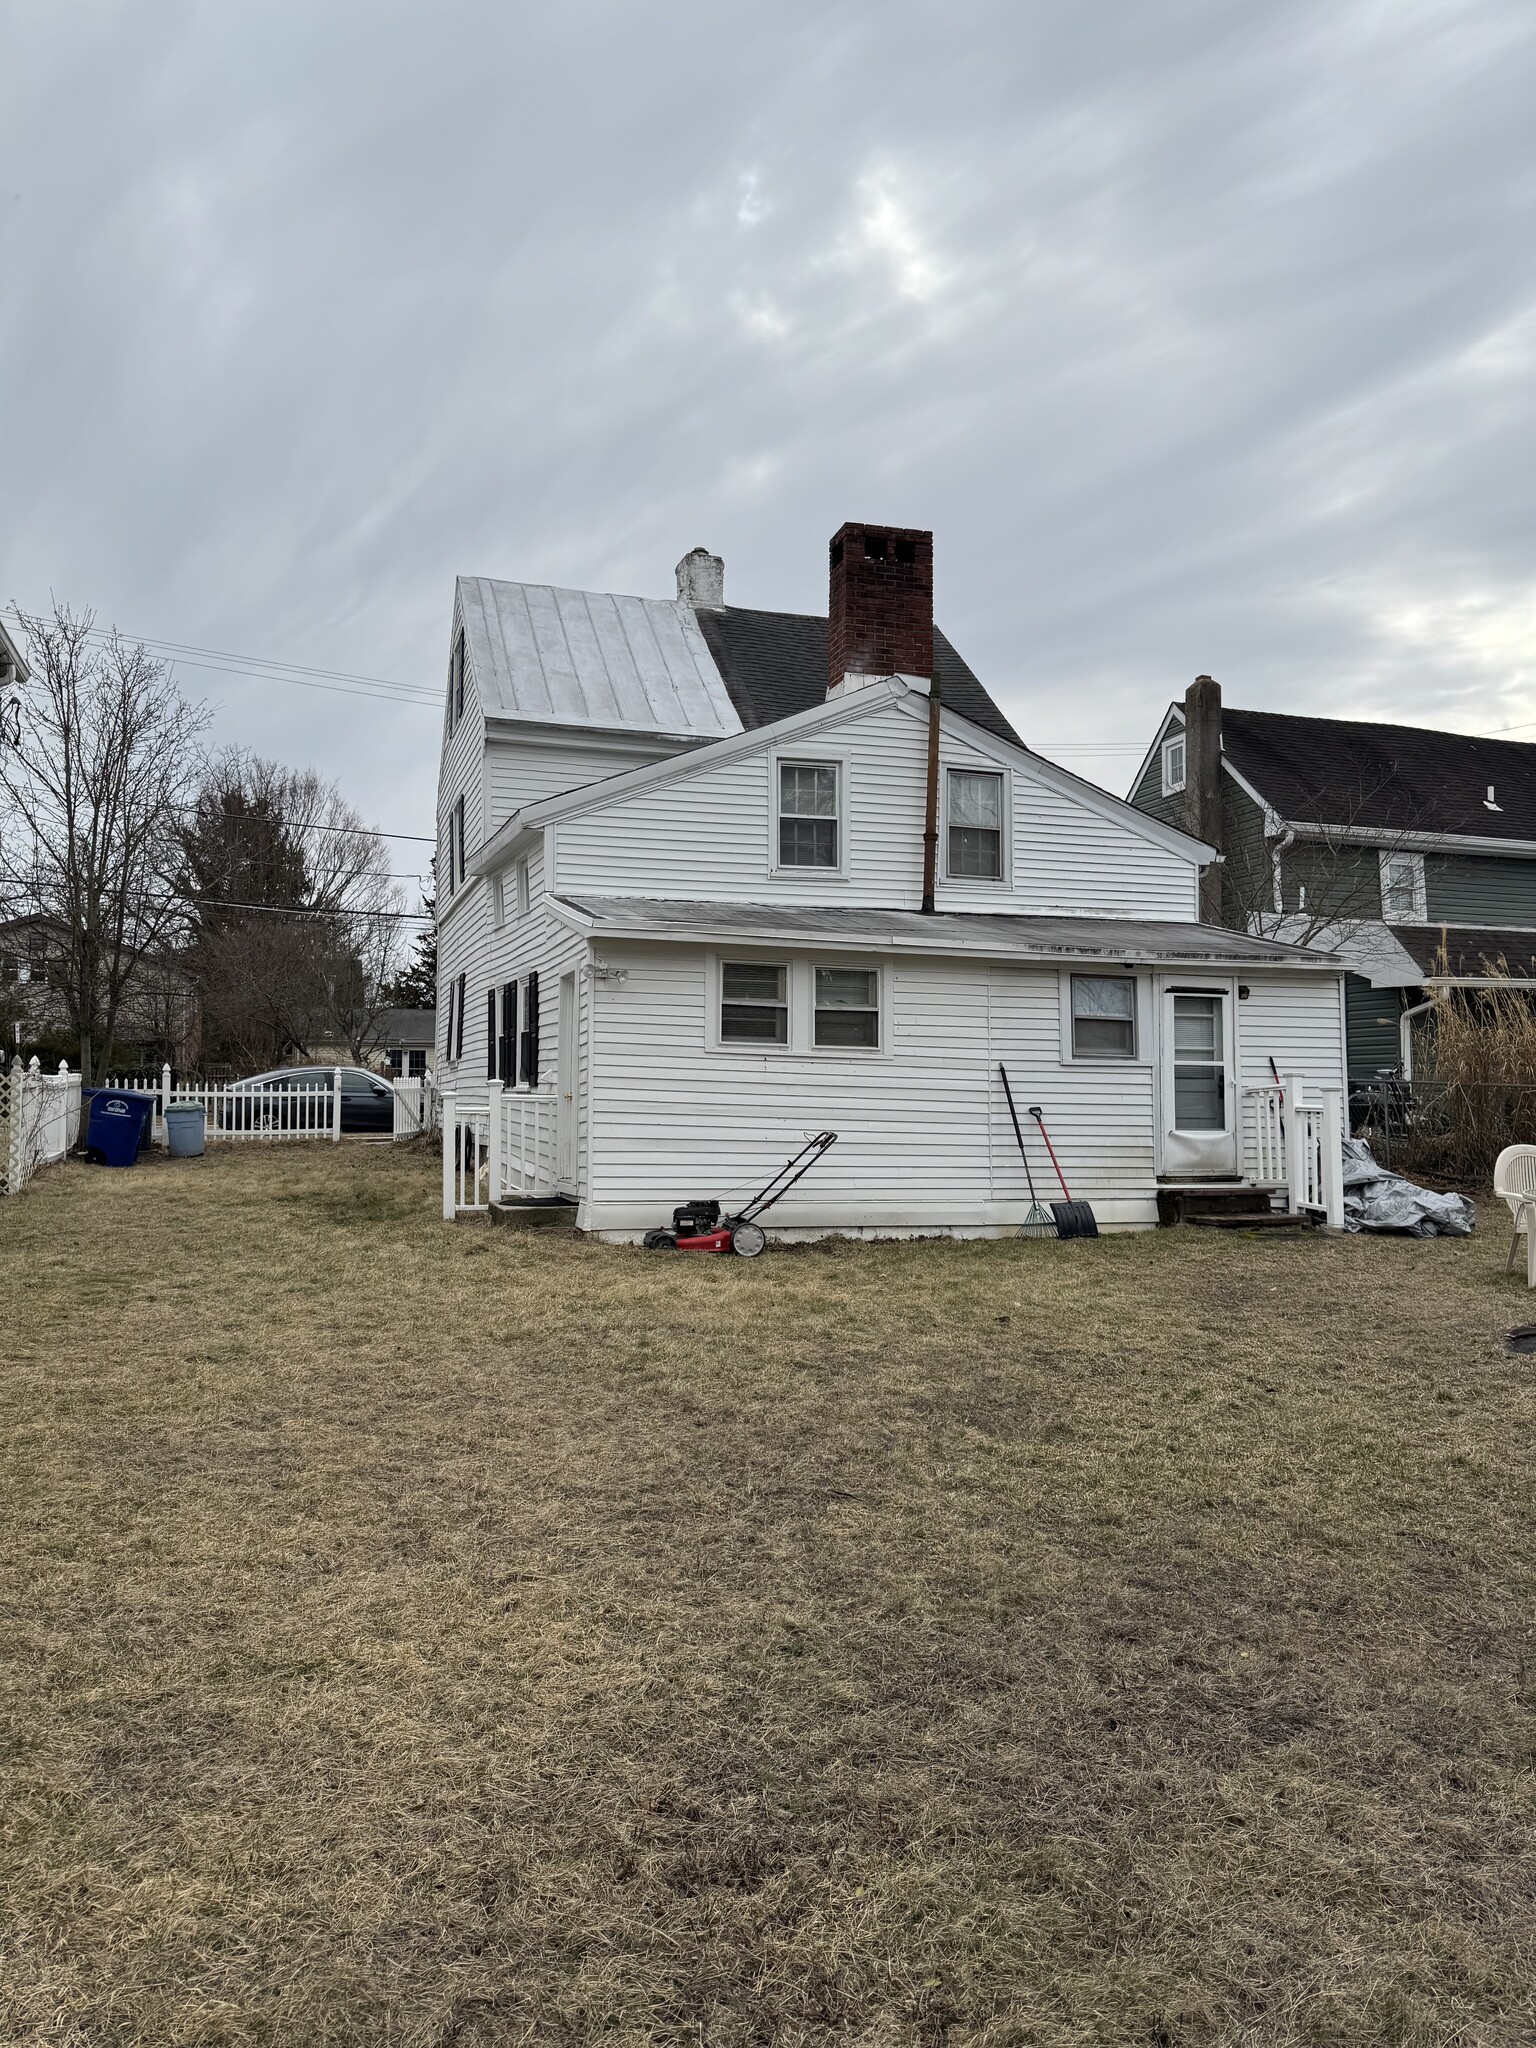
931	811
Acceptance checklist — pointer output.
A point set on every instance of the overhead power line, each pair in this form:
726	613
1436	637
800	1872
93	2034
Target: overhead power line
308	910
263	668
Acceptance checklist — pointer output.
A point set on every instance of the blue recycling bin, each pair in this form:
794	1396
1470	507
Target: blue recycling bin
119	1122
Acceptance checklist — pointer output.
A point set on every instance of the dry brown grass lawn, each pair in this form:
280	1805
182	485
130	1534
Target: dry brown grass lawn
427	1635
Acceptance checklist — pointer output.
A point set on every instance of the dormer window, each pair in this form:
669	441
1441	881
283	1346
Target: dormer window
1173	764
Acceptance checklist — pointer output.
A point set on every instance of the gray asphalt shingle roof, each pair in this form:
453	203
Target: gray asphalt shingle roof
1049	938
1400	778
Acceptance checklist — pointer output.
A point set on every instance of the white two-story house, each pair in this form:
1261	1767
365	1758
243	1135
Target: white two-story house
711	879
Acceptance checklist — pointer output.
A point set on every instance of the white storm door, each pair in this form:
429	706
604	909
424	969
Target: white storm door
567	1090
1198	1091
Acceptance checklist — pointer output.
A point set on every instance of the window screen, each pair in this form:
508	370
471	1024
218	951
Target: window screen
753	1003
847	1006
808	820
1103	1017
975	825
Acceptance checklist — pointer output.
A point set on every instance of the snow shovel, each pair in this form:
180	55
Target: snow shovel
1037	1223
1073	1219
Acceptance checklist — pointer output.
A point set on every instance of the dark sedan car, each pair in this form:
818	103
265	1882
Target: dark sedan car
367	1103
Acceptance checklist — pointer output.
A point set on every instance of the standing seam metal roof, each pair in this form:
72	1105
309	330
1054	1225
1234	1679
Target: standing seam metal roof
580	657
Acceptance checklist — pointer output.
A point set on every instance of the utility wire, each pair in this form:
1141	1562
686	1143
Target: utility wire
305	910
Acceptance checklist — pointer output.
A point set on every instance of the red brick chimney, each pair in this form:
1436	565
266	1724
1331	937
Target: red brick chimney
879	606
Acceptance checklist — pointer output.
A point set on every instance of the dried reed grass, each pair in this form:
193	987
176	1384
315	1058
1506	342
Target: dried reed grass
1475	1081
418	1634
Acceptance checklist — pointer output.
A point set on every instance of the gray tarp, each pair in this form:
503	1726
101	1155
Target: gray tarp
1375	1199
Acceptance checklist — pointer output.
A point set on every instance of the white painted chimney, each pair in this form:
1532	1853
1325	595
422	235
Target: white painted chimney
701	580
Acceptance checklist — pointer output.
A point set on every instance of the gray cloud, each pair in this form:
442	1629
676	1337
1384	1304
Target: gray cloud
1202	334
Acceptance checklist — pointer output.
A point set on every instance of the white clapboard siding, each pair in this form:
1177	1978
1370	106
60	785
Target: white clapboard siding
709	833
1100	1114
920	1130
524	770
1299	1021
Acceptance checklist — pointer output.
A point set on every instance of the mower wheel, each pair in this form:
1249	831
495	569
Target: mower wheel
747	1240
660	1241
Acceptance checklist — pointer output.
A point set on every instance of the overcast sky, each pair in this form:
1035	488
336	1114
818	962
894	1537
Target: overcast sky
1201	332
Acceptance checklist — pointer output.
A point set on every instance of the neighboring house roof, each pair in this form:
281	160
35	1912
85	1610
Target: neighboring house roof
1464	949
775	664
644	664
1120	939
585	658
1396	778
407	1027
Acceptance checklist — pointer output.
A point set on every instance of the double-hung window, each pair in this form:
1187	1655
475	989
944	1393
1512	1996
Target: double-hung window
975	825
754	1002
809	825
847	1006
1402	888
1173	764
1103	1017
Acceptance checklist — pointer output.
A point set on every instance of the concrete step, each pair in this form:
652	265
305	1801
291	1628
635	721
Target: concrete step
554	1215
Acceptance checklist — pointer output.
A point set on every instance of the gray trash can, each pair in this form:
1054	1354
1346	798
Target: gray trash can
185	1129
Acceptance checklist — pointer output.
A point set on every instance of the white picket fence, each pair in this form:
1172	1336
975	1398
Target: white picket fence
40	1112
503	1152
1299	1145
39	1120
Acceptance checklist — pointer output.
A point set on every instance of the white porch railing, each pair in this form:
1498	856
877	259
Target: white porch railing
503	1152
468	1179
1299	1145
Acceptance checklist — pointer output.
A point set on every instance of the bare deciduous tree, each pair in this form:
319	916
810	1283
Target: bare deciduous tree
95	788
293	915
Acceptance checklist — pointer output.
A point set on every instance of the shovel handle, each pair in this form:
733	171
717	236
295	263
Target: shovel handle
1045	1134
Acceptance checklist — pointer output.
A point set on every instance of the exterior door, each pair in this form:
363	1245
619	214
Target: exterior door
567	1086
1199	1098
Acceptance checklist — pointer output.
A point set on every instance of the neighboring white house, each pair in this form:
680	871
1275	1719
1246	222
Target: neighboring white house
681	884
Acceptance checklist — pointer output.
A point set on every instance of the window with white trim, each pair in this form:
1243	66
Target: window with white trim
522	887
499	901
847	1006
975	813
754	1002
1402	888
809	825
456	850
1103	1017
1173	764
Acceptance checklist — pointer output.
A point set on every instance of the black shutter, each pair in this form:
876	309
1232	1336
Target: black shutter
529	1062
509	1032
490	1034
458	1018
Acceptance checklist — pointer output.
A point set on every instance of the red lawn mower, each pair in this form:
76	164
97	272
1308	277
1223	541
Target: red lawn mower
700	1227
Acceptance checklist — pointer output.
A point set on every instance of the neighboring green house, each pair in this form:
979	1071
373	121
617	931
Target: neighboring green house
1411	854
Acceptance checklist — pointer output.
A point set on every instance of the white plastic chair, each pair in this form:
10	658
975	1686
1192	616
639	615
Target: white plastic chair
1514	1182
